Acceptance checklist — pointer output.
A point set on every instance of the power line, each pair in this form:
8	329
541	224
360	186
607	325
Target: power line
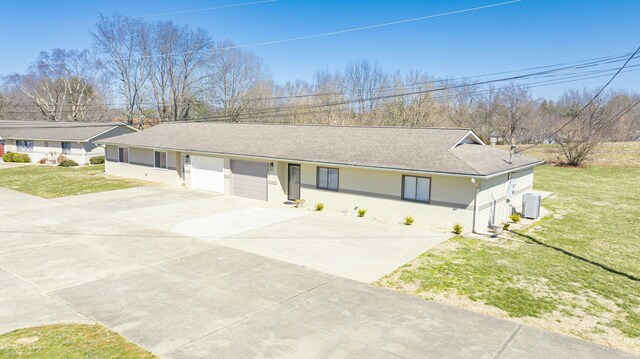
330	33
582	64
179	12
565	79
587	104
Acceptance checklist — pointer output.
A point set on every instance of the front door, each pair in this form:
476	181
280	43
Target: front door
294	182
1	148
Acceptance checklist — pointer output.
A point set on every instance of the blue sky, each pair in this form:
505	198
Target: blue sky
516	36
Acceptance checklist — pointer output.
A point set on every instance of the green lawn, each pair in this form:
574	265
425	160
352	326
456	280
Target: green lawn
52	182
596	217
68	341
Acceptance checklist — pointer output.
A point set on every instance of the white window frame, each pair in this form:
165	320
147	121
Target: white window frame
119	158
415	196
327	188
166	164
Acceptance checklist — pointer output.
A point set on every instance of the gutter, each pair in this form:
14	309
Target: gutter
294	160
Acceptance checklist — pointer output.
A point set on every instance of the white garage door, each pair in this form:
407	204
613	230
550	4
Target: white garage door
207	174
249	179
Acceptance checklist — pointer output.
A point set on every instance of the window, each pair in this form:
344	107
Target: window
160	159
66	147
123	155
24	145
327	178
416	188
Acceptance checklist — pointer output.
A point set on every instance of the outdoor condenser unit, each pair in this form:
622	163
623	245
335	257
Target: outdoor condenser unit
531	205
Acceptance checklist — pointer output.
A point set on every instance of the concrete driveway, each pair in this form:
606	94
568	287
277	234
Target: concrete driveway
356	248
112	258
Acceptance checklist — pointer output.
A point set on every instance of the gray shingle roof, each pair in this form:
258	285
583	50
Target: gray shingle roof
415	149
56	131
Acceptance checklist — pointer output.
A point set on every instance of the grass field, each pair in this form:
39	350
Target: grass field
595	221
606	154
52	182
68	341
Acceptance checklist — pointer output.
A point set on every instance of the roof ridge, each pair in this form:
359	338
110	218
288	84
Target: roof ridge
315	125
463	161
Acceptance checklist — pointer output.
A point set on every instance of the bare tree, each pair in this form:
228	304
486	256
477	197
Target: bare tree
174	57
364	81
582	128
233	75
121	40
516	108
61	84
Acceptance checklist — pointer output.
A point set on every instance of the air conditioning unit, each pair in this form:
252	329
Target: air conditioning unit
531	206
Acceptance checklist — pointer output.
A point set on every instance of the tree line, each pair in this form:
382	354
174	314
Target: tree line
144	72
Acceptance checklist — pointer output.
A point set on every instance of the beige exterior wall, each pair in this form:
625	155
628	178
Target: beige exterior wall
141	166
380	193
452	199
493	206
80	152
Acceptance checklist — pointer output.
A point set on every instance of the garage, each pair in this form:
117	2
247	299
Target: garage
207	173
249	179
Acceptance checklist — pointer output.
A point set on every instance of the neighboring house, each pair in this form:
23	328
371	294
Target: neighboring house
43	139
439	176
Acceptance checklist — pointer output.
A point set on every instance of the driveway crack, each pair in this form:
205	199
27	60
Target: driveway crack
504	345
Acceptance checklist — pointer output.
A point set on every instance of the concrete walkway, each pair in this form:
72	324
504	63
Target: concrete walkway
183	297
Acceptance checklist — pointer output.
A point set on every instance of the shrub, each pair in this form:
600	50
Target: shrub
506	226
515	217
22	158
16	157
43	160
361	212
68	163
96	160
408	220
457	228
319	206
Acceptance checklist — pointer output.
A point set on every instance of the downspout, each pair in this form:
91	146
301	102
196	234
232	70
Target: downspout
476	184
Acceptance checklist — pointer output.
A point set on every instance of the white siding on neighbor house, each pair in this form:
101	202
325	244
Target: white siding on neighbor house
80	152
493	206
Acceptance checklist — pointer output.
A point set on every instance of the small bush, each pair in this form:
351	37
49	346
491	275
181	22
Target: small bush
515	217
68	163
506	226
22	158
457	228
96	160
319	206
361	212
16	157
408	220
43	160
